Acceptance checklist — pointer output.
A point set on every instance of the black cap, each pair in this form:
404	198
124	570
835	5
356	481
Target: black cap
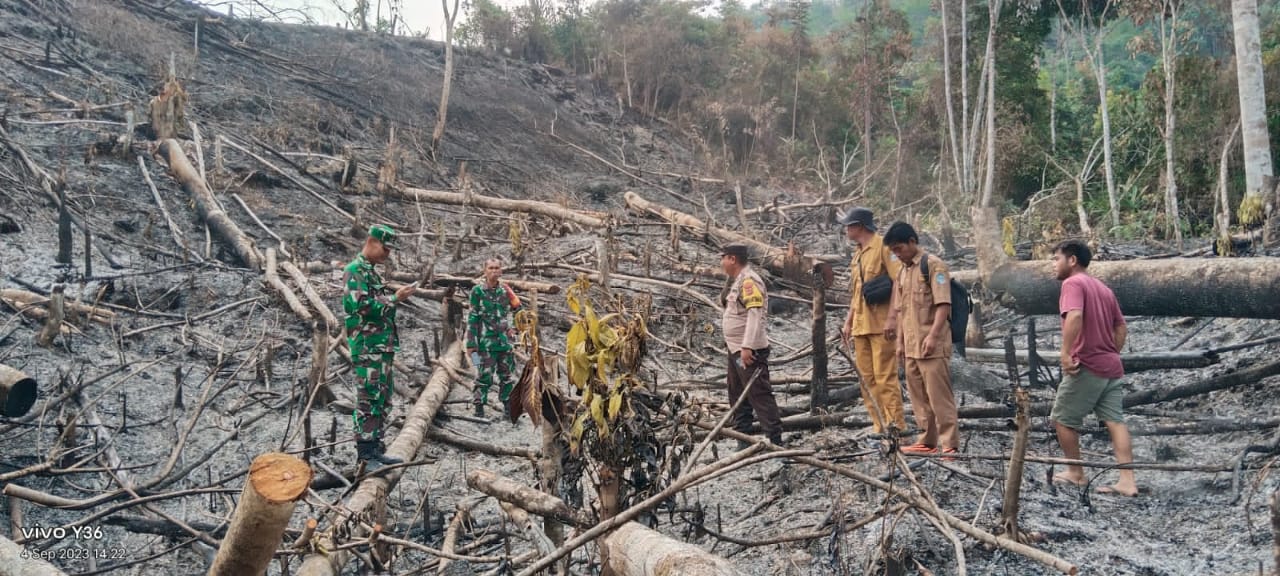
860	216
739	250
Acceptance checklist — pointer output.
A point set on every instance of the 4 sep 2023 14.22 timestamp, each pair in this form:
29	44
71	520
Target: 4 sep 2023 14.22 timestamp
76	552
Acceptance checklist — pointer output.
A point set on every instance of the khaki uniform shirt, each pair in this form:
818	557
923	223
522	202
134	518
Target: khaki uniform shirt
917	298
875	259
746	312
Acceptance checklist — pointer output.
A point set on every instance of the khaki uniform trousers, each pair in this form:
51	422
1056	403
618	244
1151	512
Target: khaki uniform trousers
934	404
877	360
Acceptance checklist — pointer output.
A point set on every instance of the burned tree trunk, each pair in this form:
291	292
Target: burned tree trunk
818	382
1227	288
275	483
226	230
53	323
64	226
634	550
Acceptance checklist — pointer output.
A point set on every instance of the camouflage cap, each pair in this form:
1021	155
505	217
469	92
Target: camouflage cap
385	235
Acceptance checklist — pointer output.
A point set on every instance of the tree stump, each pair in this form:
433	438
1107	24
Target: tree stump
275	482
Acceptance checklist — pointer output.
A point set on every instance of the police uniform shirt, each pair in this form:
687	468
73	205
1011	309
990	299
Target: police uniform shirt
745	313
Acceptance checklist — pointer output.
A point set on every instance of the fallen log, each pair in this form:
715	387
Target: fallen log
15	560
792	266
372	492
443	280
17	392
1219	287
275	483
588	219
272	278
530	499
446	437
1133	361
26	302
207	207
309	291
462	281
1220	382
634	550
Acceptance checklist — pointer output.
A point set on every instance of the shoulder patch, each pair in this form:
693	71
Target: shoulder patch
751	295
893	257
940	278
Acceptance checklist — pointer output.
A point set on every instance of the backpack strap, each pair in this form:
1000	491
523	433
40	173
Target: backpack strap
924	265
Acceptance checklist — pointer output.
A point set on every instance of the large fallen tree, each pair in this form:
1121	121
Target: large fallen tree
210	212
371	495
791	264
1133	361
590	220
1220	287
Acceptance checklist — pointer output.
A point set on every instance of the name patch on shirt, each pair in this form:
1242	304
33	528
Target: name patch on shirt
751	295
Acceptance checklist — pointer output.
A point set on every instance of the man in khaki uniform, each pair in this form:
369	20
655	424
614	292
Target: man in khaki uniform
873	270
745	318
923	330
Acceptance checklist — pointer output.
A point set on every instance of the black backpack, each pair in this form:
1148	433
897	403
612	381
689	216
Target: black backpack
961	305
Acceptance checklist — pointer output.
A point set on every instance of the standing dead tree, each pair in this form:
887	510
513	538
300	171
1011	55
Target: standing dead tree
449	17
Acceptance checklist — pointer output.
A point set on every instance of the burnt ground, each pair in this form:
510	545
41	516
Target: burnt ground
319	95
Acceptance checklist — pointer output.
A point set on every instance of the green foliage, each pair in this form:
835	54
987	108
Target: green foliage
819	90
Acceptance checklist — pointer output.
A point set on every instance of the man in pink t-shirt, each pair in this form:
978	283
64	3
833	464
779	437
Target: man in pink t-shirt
1093	332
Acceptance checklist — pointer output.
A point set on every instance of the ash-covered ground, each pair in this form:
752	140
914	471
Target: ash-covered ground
198	321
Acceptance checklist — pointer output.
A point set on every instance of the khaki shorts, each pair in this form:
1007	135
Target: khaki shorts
1087	392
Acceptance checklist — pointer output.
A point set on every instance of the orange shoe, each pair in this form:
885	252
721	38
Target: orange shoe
918	449
947	451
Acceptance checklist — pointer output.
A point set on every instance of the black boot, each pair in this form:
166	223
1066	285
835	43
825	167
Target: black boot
776	439
372	453
479	413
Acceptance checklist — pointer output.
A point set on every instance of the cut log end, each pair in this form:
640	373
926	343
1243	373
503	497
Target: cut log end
280	478
17	392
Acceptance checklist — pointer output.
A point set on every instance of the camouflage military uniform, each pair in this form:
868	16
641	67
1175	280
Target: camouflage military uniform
489	335
371	333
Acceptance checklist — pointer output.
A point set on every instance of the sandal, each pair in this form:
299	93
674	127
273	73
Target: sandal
918	449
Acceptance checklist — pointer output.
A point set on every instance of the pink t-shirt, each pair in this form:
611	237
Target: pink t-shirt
1096	347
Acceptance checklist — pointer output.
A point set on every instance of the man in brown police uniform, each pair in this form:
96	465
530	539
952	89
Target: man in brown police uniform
744	322
923	329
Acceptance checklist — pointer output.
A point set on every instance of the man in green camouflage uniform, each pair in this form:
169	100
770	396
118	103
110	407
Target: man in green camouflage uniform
489	335
371	334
